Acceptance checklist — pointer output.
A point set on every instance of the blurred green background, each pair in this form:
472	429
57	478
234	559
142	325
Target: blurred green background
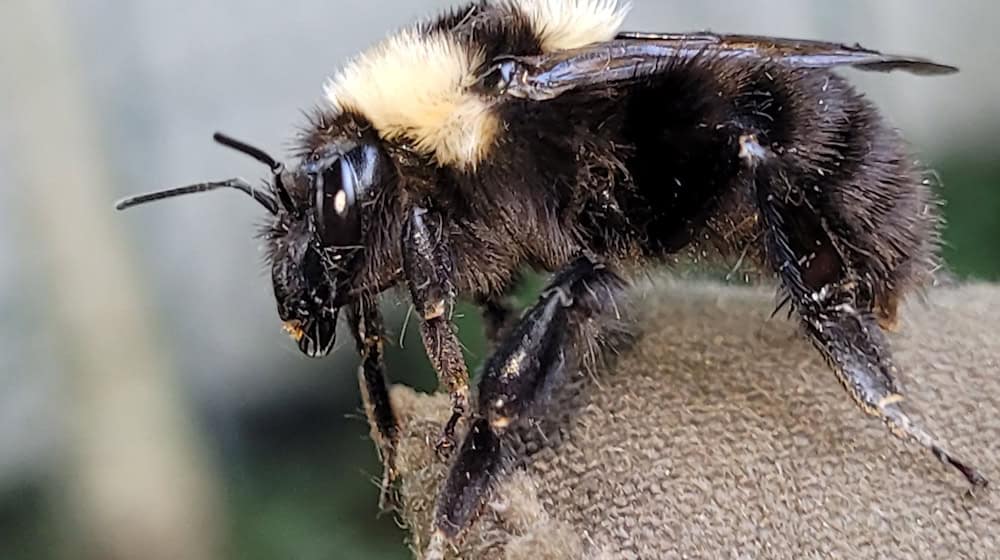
150	406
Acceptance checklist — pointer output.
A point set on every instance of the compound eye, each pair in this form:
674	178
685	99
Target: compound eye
337	216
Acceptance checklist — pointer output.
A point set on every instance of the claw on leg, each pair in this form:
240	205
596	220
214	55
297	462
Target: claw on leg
900	425
865	374
445	354
446	441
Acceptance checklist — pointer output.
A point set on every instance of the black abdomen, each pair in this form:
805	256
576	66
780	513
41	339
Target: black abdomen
654	168
843	166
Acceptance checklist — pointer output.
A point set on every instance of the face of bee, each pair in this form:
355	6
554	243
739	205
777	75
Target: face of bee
315	241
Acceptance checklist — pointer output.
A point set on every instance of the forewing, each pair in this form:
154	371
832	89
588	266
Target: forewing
634	56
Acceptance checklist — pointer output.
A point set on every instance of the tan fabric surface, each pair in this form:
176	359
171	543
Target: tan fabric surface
723	434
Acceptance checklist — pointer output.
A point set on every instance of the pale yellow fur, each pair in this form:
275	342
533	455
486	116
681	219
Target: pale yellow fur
415	85
567	24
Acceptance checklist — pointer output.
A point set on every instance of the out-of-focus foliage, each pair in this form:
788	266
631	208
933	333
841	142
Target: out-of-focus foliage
972	208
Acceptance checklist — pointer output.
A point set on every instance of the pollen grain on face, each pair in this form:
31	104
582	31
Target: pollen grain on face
294	330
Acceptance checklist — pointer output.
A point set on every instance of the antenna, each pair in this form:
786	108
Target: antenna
266	200
263	157
256	153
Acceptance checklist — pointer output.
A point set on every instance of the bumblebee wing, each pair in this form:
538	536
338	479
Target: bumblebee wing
634	56
794	52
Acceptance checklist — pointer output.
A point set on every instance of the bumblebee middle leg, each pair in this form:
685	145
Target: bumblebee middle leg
832	287
544	344
428	272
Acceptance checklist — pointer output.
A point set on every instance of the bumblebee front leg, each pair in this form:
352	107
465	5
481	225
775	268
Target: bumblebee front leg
528	362
831	286
428	270
366	325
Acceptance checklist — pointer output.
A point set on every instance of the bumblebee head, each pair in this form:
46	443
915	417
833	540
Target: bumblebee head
314	239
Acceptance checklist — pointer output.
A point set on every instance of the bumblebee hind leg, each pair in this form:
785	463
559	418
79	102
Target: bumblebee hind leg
826	279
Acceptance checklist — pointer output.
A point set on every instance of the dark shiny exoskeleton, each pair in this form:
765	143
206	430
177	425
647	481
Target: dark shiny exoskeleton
614	156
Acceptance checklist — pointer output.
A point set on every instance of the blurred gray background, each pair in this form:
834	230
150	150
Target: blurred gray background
150	406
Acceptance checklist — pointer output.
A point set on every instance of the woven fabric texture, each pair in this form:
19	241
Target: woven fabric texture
721	433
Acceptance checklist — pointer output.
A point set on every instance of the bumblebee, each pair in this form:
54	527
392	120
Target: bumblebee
516	134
